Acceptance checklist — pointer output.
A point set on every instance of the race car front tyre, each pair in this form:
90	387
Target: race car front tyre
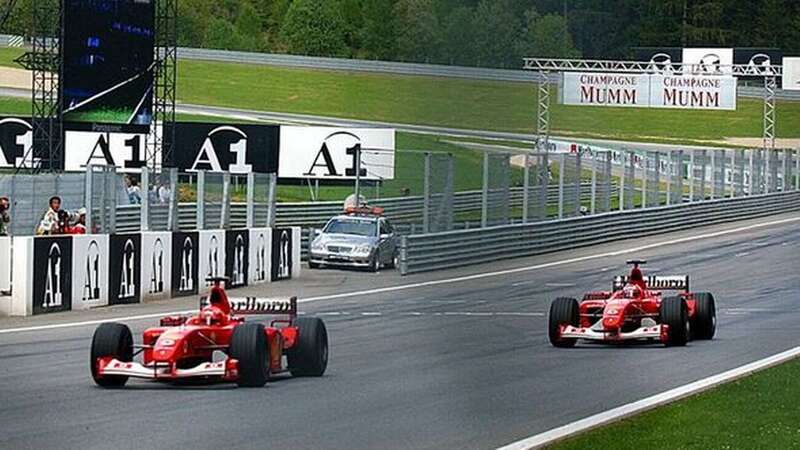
675	314
704	324
249	347
563	311
309	357
114	340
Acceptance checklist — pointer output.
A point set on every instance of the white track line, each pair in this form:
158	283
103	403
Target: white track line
621	412
403	287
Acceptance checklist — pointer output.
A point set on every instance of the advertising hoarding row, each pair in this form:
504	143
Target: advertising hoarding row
649	90
293	152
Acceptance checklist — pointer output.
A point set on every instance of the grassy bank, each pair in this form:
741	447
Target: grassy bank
756	412
451	102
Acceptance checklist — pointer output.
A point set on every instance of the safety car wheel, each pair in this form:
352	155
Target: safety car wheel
375	262
249	347
115	340
675	314
563	311
309	356
704	324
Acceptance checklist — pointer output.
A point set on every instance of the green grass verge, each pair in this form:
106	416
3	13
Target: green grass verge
757	412
459	103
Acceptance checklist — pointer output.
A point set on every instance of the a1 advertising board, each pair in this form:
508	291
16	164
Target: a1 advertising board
757	61
212	255
124	269
791	74
156	265
89	271
332	153
237	257
282	254
125	151
239	149
52	274
185	263
16	138
260	241
649	90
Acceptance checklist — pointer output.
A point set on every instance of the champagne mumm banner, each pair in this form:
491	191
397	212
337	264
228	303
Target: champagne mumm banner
649	90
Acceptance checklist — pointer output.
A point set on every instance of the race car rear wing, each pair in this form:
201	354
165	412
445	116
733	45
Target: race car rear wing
657	282
255	305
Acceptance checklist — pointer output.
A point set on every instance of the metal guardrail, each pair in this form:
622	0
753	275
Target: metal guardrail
397	68
422	253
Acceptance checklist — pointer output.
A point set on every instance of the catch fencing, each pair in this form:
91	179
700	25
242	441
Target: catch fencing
422	253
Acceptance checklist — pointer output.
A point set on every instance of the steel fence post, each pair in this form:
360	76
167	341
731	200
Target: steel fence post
87	198
526	183
646	163
111	178
561	165
144	205
271	196
797	170
623	170
691	176
201	194
225	207
426	195
593	200
670	169
578	187
403	255
713	175
251	206
784	164
172	215
485	192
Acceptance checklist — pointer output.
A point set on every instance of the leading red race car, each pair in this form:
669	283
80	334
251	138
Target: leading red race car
184	347
635	310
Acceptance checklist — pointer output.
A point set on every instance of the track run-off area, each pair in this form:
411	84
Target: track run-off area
453	359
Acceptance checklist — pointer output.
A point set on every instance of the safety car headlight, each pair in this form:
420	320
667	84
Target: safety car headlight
317	246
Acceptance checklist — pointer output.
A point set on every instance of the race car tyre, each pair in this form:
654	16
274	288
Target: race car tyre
563	311
249	347
309	357
675	314
704	324
115	340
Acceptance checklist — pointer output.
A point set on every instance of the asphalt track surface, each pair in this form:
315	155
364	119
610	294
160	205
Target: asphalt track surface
451	365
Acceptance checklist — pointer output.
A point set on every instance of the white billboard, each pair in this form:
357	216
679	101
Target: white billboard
791	74
707	61
649	90
126	151
328	153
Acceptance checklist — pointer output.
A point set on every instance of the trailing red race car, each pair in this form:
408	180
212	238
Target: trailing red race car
635	310
184	347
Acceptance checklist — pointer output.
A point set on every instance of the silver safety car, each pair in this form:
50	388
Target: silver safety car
360	237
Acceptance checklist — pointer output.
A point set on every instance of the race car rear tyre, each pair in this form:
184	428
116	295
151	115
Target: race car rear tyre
249	347
675	314
704	324
309	357
115	340
563	311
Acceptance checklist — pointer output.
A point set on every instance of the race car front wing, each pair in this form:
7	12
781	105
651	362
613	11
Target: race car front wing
227	370
659	331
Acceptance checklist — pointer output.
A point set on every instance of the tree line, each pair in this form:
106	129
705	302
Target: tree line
485	33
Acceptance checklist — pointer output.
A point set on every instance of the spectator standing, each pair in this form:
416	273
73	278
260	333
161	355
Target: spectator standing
50	221
5	217
134	192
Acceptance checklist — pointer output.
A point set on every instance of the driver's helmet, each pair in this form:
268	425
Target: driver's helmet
212	315
632	292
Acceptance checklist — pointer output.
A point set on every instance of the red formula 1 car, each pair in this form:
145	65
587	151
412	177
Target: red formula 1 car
635	310
215	344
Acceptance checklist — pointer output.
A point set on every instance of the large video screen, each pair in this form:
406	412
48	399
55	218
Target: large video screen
108	61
